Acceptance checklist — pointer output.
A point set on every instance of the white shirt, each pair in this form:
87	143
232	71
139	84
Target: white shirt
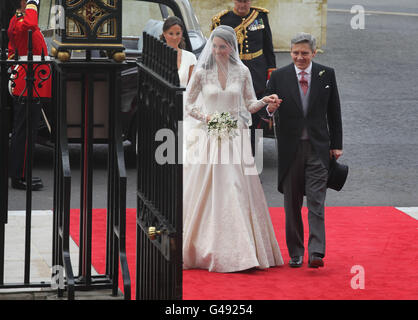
307	76
298	71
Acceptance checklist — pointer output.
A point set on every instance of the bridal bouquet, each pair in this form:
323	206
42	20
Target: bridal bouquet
222	125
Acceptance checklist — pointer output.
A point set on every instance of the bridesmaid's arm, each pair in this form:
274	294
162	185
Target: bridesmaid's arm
190	72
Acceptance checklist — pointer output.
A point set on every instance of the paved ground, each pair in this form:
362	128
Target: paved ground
375	72
41	260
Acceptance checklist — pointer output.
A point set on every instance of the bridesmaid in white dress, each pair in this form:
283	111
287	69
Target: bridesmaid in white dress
173	29
226	221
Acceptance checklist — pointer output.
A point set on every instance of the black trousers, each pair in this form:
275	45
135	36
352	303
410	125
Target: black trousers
19	140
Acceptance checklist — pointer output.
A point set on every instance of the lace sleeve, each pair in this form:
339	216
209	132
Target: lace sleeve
192	93
250	99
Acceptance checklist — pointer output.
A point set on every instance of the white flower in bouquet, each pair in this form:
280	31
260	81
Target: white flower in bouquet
222	125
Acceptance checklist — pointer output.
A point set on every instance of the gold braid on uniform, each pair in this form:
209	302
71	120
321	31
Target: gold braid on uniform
260	9
241	30
216	20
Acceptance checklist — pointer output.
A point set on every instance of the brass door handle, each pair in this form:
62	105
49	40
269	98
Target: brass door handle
152	232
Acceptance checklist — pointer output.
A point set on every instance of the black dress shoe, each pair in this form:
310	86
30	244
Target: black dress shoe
19	183
315	261
296	262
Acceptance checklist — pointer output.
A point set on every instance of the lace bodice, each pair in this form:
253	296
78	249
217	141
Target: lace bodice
205	94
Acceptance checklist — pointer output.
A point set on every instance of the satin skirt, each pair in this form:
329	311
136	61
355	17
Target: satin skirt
226	221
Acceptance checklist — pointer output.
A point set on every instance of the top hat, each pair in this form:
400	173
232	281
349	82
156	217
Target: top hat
337	175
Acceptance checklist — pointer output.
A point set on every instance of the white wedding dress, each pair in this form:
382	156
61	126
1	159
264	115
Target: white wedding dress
226	221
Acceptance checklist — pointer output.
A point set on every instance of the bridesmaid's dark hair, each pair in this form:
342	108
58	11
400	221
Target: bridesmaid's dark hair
172	21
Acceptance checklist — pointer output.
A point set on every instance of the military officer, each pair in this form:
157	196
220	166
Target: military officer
25	19
255	41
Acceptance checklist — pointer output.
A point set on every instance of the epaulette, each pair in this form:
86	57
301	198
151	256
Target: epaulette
260	9
216	19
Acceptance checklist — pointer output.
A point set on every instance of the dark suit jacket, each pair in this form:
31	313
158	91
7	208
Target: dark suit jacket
323	119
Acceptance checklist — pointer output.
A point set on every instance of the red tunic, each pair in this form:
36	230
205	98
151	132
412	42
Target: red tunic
18	39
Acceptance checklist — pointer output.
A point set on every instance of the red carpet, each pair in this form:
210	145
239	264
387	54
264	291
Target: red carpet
383	241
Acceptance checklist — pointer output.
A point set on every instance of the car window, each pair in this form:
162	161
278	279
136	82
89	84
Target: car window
136	14
44	11
197	39
190	19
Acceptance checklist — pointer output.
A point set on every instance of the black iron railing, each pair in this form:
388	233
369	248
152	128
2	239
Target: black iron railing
62	194
86	72
159	185
29	96
117	179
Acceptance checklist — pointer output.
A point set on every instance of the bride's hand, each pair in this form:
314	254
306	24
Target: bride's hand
270	99
273	102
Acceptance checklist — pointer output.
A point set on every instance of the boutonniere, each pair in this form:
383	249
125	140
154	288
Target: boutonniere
321	72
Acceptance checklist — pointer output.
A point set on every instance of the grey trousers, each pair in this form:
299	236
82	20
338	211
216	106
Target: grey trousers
306	176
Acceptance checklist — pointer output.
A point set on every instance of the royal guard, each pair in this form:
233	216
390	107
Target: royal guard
255	41
25	19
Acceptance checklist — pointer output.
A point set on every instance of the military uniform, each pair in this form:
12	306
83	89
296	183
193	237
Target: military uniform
19	26
255	42
18	29
256	52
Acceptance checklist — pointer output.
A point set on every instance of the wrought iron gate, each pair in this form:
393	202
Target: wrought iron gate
32	69
116	213
87	73
159	185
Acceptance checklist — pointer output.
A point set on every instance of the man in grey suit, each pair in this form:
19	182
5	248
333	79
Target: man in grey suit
309	133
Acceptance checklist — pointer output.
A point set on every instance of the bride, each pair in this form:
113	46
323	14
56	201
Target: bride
226	222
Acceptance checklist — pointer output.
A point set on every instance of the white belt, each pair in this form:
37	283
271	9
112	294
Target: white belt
35	58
